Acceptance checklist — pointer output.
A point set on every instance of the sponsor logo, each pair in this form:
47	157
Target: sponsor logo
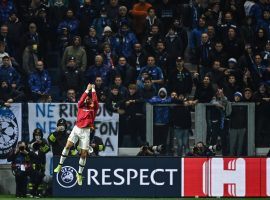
215	177
66	178
131	176
9	132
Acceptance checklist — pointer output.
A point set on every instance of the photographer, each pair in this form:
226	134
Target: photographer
201	150
58	138
40	147
97	146
21	166
147	150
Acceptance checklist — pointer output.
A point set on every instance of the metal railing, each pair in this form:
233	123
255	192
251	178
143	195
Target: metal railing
201	124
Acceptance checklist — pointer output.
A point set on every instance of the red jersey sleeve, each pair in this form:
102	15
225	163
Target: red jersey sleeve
95	101
82	99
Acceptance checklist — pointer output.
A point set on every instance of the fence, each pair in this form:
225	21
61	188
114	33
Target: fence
201	123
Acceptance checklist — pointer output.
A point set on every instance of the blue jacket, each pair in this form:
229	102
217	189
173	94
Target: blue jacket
6	10
100	23
195	38
40	82
123	44
155	73
71	24
161	114
265	24
92	72
256	11
9	74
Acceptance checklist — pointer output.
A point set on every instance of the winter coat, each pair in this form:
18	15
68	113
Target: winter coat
9	74
40	81
161	114
123	43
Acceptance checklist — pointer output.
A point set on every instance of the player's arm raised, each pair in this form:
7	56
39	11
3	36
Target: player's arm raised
95	99
84	95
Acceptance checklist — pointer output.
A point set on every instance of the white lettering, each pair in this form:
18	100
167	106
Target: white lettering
135	175
121	176
152	177
104	176
171	171
214	177
118	176
92	177
142	176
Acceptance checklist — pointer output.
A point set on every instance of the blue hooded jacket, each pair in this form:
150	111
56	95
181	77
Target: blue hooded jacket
161	114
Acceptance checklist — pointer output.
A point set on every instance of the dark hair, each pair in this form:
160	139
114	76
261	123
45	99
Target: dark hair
147	79
37	130
76	37
5	57
118	76
114	87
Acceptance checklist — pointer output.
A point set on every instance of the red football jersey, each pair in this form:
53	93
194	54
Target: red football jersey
87	112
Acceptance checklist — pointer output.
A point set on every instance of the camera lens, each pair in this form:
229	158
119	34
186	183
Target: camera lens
21	148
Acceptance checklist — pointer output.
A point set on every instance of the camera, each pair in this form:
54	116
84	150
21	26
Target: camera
97	145
215	148
21	148
144	148
203	150
159	148
36	146
147	150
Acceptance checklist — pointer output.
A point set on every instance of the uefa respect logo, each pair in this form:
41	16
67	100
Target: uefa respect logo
66	178
9	132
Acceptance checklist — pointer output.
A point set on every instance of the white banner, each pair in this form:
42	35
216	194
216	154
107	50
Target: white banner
10	129
45	116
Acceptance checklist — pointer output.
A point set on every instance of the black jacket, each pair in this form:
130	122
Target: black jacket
180	81
58	141
9	93
71	79
203	54
136	107
238	117
114	102
180	115
148	93
204	94
127	73
138	61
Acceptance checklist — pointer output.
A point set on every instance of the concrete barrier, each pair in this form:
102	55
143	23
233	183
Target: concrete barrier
7	181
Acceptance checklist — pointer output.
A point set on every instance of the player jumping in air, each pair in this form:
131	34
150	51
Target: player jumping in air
87	110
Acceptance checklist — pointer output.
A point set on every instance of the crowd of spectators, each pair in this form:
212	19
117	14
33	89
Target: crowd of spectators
136	52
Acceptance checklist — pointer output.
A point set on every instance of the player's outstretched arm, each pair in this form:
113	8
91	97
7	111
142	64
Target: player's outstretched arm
95	99
84	95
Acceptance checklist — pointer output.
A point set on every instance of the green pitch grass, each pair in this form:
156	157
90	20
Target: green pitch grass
11	197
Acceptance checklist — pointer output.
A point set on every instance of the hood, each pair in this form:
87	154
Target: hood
163	90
